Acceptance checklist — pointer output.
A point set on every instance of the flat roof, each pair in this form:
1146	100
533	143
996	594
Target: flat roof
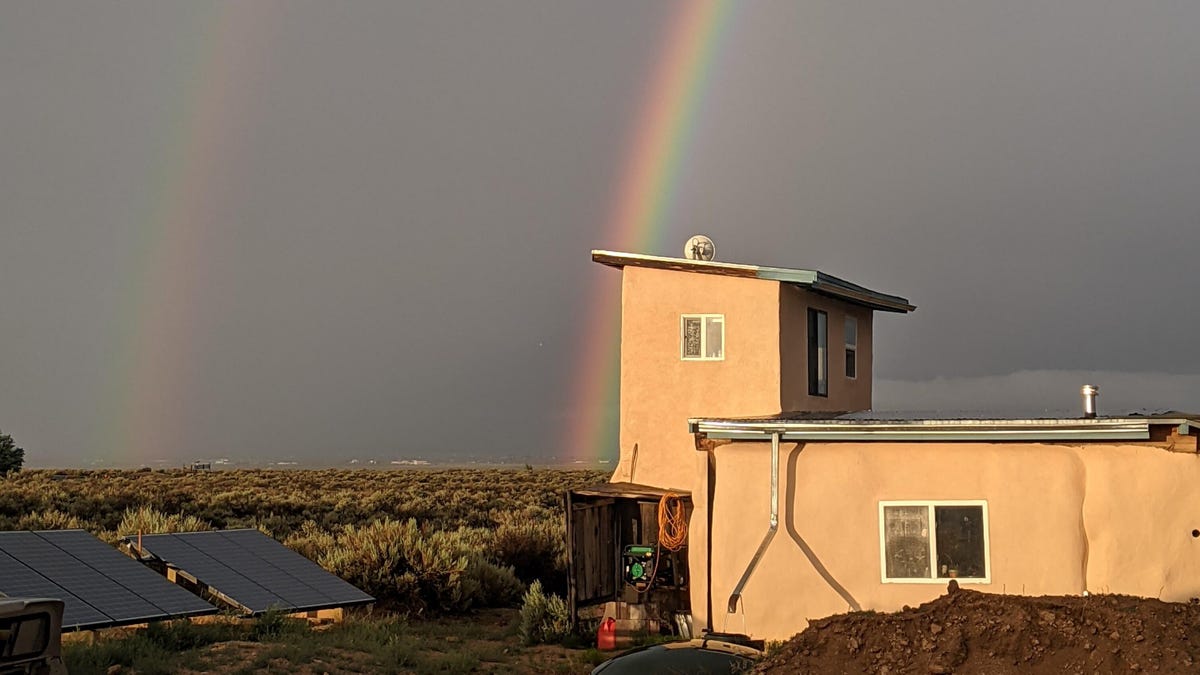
943	426
815	280
627	490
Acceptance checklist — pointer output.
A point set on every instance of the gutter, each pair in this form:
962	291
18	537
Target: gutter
930	430
771	529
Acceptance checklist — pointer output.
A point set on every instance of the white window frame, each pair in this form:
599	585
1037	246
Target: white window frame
935	579
704	319
851	346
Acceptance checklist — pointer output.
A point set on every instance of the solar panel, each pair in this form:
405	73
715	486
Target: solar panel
17	580
302	569
168	598
98	586
253	570
211	572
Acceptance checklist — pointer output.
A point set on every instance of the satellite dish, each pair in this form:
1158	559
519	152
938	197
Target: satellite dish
699	247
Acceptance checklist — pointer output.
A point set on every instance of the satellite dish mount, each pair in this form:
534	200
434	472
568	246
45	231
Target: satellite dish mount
699	247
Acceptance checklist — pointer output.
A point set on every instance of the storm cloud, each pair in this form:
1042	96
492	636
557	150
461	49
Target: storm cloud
325	231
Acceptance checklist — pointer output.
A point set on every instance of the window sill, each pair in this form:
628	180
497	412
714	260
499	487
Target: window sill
978	581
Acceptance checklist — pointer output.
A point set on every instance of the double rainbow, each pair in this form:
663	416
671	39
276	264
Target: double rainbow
643	206
155	359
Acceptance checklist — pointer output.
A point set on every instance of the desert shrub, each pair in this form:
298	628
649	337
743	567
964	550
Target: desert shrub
533	543
416	568
49	519
149	520
477	532
310	540
273	624
544	618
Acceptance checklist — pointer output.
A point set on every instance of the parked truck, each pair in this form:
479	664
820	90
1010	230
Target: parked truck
31	637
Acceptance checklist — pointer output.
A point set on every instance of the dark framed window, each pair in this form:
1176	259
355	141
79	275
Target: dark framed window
818	353
930	541
851	347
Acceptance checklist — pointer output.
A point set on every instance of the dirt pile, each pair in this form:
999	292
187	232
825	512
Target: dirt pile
972	633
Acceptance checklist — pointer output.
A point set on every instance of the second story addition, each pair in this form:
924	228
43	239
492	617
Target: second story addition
700	337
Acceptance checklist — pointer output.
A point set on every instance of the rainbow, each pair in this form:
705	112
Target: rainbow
159	327
642	208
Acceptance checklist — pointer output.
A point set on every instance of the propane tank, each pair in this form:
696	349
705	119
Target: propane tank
606	637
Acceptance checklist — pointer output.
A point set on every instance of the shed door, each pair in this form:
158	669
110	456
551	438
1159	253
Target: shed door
592	550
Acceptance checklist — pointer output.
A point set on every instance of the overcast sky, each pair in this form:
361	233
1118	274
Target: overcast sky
330	230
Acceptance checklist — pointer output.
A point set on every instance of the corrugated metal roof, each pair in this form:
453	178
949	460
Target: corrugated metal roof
942	426
818	281
948	415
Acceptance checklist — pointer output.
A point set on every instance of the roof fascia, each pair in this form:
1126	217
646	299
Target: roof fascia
812	279
931	430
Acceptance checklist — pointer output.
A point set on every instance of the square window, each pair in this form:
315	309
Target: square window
927	542
702	337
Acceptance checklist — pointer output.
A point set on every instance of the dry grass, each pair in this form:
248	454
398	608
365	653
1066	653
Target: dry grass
485	642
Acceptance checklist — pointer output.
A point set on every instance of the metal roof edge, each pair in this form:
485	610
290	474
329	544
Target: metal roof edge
929	430
813	279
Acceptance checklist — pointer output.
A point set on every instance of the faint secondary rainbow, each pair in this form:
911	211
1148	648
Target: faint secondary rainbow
161	321
642	208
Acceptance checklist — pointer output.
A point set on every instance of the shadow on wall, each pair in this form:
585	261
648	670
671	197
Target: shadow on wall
789	522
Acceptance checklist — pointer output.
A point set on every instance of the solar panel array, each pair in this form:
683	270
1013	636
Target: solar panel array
99	586
253	570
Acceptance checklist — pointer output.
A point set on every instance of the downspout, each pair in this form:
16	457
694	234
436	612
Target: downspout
762	548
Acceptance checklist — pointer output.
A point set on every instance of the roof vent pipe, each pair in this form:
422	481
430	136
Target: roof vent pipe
1090	392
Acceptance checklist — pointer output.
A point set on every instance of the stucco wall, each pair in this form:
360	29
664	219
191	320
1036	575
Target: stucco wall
845	394
659	390
1139	512
1062	519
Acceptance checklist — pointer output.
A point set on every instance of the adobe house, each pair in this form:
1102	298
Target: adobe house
746	392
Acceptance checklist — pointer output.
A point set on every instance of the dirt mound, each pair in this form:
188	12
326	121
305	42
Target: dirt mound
972	633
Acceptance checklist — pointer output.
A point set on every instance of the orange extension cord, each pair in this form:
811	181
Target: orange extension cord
672	534
672	524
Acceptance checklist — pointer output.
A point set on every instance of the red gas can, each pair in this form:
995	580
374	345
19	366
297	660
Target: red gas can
606	637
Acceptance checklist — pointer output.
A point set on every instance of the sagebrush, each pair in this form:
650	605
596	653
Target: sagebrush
421	541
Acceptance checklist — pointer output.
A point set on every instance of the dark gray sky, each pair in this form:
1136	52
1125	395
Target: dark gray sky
338	230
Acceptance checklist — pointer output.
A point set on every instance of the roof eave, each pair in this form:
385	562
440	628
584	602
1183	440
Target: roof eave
930	430
820	282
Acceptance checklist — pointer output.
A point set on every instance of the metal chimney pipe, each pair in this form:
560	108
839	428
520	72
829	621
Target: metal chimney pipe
1089	392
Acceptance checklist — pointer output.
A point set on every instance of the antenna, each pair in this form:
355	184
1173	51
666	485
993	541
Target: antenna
699	247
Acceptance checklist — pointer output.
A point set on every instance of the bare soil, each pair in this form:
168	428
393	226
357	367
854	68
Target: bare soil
972	633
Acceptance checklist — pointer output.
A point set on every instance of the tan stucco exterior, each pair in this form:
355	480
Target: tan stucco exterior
765	369
1062	519
845	393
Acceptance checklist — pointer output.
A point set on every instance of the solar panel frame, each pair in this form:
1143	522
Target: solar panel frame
77	578
169	599
98	585
211	572
228	560
291	590
298	566
19	580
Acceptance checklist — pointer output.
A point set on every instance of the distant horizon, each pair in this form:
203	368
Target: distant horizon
1057	390
379	465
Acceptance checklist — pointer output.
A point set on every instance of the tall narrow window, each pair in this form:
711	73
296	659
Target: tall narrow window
851	347
702	337
818	353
